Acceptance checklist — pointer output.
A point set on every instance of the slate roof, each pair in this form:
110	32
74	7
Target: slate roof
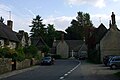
38	42
7	33
73	44
100	32
20	35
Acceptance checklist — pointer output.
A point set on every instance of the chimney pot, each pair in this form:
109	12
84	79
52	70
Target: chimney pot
10	23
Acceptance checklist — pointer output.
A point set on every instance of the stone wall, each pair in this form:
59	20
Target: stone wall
23	64
5	65
34	62
63	49
110	44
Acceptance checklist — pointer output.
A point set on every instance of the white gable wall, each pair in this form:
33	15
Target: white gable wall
1	43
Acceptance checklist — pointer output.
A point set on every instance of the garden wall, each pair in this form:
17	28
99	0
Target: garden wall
5	65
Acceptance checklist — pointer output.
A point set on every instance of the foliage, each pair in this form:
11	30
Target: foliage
20	55
56	56
6	52
78	27
38	28
50	35
45	49
117	74
94	56
30	51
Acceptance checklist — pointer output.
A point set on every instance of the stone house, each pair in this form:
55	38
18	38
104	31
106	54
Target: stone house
109	45
8	37
104	41
67	48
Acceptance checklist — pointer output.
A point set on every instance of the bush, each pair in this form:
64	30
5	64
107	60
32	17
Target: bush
45	49
30	51
19	56
117	74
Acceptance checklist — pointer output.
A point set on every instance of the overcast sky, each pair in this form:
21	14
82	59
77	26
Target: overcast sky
58	12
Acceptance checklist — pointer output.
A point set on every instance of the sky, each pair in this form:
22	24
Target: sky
58	12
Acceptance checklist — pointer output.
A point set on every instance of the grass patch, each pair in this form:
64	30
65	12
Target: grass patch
117	74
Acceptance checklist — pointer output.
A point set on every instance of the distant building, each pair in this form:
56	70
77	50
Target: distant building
67	48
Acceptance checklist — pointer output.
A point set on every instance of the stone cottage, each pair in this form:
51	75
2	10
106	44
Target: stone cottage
67	48
109	45
104	41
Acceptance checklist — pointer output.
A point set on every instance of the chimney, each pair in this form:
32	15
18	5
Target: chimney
10	23
62	37
110	24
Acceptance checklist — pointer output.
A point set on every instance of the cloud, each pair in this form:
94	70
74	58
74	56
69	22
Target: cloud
115	0
31	12
61	23
96	3
18	22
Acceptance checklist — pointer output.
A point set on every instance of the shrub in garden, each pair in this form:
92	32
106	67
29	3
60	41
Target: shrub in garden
20	55
31	51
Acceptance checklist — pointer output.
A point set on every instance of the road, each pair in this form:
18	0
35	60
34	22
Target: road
59	71
67	70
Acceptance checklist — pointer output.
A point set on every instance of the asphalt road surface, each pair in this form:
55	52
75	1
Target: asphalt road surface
61	70
67	70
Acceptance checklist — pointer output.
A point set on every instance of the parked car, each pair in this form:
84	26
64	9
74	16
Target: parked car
106	59
114	62
47	61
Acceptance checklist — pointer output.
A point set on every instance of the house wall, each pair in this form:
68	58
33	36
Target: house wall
29	42
109	45
12	45
63	49
1	43
23	42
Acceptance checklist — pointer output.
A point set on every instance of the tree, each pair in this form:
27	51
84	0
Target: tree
50	35
78	27
38	28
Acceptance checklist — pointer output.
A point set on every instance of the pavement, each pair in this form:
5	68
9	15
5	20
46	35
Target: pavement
90	71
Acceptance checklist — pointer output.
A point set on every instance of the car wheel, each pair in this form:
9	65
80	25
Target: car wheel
113	67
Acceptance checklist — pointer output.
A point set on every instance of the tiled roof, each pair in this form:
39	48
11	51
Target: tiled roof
38	42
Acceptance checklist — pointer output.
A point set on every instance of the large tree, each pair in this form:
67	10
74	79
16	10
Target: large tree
38	28
78	27
50	35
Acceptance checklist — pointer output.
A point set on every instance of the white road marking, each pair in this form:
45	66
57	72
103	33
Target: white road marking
69	72
65	74
62	77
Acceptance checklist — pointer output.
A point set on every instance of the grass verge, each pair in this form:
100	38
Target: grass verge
117	74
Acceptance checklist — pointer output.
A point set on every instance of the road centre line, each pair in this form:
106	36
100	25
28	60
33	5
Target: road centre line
62	77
